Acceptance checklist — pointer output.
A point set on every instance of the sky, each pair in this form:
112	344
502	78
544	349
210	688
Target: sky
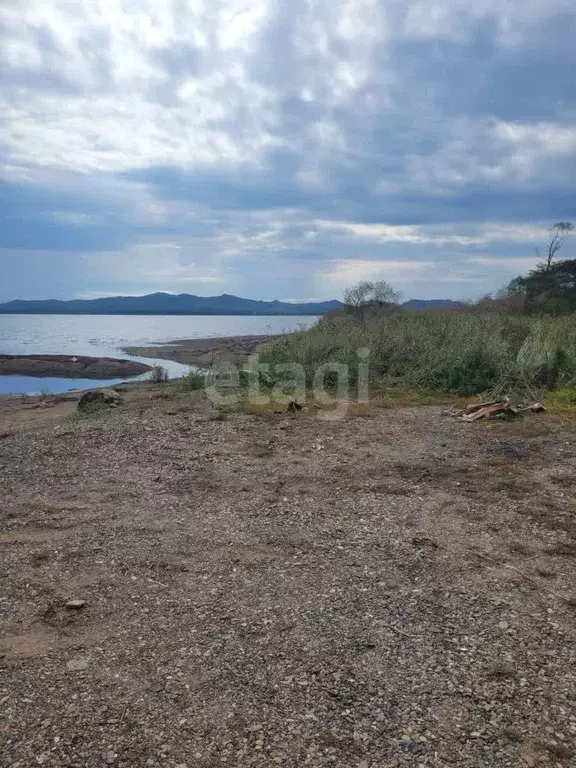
282	148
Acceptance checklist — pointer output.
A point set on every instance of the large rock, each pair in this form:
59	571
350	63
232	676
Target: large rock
99	398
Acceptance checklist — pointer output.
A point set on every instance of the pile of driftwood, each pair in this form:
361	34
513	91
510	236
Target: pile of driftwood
494	409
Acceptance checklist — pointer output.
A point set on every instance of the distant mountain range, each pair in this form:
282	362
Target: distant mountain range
167	304
431	303
186	304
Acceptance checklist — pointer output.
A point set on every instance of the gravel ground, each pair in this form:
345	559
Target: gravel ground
394	589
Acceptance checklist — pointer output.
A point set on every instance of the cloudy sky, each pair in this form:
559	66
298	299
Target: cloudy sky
281	148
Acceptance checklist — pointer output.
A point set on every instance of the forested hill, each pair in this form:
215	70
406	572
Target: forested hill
187	304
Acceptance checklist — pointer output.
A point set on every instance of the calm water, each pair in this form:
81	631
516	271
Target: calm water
105	335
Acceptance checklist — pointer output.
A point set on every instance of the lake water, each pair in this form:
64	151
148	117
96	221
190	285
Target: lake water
106	335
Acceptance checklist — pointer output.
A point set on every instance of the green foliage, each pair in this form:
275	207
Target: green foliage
158	374
90	412
461	352
192	381
562	400
515	287
552	289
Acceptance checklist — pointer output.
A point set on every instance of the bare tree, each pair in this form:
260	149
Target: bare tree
383	293
365	295
559	232
358	295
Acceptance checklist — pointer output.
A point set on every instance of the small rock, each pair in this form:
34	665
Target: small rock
77	665
157	686
75	605
503	625
99	398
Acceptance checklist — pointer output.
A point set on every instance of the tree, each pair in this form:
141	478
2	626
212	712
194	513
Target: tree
516	287
559	232
383	293
369	294
552	289
357	296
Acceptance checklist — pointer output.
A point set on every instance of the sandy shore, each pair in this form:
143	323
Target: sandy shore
204	351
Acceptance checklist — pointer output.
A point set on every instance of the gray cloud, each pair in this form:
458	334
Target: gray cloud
210	138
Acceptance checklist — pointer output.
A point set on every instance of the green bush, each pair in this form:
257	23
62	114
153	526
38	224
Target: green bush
158	374
192	381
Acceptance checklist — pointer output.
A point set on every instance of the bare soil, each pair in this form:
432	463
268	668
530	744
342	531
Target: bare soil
393	589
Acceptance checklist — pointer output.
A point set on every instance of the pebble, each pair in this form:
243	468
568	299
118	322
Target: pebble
77	665
75	605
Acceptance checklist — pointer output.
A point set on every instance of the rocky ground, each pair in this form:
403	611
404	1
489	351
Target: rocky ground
393	589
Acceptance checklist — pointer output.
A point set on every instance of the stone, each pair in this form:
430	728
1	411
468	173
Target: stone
99	398
77	665
75	605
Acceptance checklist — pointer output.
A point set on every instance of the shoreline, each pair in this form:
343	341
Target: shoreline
71	367
191	352
206	351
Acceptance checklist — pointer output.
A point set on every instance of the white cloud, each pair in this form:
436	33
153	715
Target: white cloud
118	120
125	105
519	264
158	265
75	219
349	271
282	128
459	234
382	233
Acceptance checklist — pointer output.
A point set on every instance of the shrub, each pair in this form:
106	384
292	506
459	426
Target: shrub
192	381
158	374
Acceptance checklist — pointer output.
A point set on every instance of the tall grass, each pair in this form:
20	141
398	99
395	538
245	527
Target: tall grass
465	353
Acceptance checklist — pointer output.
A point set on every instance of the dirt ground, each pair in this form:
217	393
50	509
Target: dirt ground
394	589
